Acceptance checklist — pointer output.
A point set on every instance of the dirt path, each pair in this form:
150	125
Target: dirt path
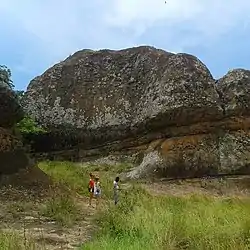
22	217
230	186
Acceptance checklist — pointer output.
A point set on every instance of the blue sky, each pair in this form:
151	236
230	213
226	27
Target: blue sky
35	34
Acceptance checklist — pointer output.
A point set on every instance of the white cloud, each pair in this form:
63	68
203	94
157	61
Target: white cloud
60	27
210	18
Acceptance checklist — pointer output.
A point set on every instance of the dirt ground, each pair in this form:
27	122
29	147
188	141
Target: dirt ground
20	206
23	217
233	186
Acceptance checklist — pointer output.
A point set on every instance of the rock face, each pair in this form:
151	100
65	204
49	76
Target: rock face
235	89
114	94
166	106
12	155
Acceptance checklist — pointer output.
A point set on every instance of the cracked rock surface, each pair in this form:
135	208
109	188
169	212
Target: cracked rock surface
145	101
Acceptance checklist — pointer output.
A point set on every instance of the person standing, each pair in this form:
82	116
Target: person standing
91	188
97	190
116	190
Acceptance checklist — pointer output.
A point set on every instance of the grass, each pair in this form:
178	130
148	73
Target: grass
12	241
76	176
73	178
63	209
142	221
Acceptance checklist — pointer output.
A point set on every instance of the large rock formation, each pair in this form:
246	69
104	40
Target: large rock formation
12	154
235	91
166	106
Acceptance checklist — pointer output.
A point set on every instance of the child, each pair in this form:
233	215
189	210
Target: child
91	187
116	189
97	189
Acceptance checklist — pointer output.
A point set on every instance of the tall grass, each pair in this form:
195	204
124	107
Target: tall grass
12	241
62	208
71	178
142	221
76	176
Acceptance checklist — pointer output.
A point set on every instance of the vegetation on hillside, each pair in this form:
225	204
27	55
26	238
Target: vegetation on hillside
27	124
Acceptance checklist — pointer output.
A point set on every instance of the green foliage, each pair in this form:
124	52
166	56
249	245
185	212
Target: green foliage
5	76
76	176
28	125
143	221
13	241
61	208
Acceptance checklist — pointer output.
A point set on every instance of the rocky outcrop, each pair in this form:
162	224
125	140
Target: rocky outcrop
166	106
235	91
197	155
113	95
220	148
12	154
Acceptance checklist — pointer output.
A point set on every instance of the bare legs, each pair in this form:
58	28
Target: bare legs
116	198
91	195
97	201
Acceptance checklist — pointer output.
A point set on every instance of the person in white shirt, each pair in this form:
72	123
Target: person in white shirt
116	190
97	189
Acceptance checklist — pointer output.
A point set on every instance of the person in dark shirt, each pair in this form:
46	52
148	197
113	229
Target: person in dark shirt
116	190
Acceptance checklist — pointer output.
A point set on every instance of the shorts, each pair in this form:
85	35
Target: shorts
91	190
98	193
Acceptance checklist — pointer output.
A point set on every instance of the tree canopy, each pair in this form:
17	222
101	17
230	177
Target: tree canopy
27	124
5	76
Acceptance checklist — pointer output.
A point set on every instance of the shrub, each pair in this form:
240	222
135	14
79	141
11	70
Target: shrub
61	208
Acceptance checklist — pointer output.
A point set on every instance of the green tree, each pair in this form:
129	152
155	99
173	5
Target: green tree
5	76
28	125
